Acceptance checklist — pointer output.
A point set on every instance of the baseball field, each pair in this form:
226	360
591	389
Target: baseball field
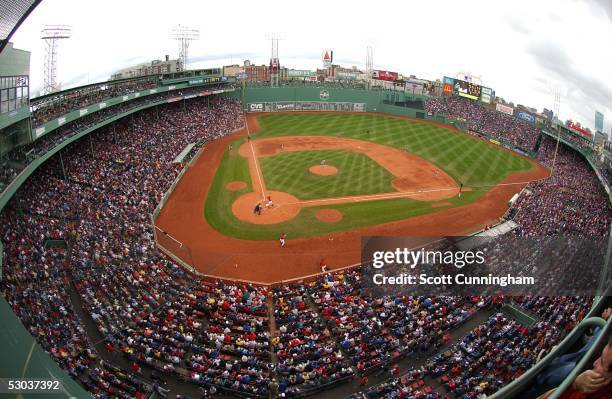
324	180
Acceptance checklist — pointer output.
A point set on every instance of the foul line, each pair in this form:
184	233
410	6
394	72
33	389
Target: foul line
263	193
373	197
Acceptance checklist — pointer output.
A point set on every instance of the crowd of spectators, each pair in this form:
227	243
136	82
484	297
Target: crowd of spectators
139	301
107	380
308	356
571	201
486	121
480	363
376	329
24	155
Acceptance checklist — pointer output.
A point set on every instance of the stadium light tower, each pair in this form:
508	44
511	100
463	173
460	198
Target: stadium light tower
51	35
184	35
369	65
274	68
557	106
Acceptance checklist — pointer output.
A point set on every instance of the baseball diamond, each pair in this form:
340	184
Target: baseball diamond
394	175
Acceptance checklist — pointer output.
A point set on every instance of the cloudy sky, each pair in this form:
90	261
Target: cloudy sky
525	50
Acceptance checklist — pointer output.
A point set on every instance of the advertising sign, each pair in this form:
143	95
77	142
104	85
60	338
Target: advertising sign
526	116
504	109
328	57
485	94
285	107
298	73
447	89
256	107
346	75
448	80
580	130
384	75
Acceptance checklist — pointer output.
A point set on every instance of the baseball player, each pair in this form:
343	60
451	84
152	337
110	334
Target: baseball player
323	265
257	209
269	204
460	188
282	239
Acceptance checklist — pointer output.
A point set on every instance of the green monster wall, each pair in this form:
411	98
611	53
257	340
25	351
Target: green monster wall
375	100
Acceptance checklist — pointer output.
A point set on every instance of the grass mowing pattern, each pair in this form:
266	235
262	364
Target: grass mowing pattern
466	159
357	174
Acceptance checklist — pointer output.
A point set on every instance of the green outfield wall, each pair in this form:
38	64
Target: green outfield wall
374	99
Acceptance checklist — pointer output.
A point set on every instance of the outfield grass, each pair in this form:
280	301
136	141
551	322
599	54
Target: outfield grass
468	160
357	174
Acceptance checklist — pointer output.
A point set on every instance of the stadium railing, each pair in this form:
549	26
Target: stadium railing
518	386
323	387
45	128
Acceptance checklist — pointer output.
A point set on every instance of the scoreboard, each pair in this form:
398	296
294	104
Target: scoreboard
465	89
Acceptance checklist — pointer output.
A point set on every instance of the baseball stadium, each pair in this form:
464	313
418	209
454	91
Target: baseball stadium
175	232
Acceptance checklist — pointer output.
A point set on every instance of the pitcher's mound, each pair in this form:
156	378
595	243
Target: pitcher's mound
323	170
235	185
285	207
329	215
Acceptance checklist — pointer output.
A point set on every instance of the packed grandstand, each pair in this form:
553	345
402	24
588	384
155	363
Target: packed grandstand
109	308
82	271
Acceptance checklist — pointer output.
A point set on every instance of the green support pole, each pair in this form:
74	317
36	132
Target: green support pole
62	164
90	146
242	94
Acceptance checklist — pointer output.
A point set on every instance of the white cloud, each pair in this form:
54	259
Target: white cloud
505	43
